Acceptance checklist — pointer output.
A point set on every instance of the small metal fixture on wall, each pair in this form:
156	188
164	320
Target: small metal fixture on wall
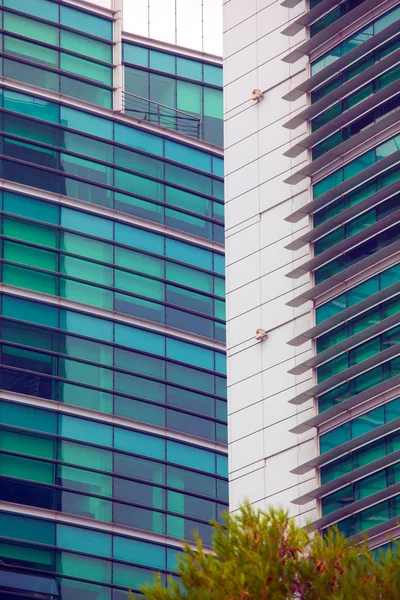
261	335
257	95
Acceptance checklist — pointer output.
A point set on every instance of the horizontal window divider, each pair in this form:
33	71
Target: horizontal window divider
346	375
60	331
113	289
113	143
169	74
343	276
347	244
105	185
345	118
309	17
58	48
112	474
346	406
350	477
355	507
345	216
346	344
61	228
112	315
57	436
110	265
344	61
55	548
64	488
339	29
344	90
344	449
371	134
392	526
48	68
350	184
66	27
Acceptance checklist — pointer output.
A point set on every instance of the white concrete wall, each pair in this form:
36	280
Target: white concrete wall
262	450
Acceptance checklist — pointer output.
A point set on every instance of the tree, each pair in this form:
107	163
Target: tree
266	556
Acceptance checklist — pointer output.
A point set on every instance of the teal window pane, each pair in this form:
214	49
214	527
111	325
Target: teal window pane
32	75
30	311
139	443
161	61
139	411
31	106
139	139
87	294
162	90
31	29
137	261
139	238
83	269
368	422
87	247
70	589
87	431
31	51
31	280
334	438
190	377
86	223
222	465
359	164
139	185
189	456
85	45
83	540
213	75
24	528
189	353
187	156
190	277
85	91
142	553
142	388
190	254
38	8
140	339
36	418
191	69
85	456
86	22
86	68
83	121
28	255
83	324
388	148
85	397
87	374
327	183
218	166
189	97
82	567
137	55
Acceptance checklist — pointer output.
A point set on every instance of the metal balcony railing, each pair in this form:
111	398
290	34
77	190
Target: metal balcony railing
165	116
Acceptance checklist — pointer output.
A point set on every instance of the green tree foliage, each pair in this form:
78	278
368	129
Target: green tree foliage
266	556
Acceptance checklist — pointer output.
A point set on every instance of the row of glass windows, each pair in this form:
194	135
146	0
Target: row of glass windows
108	299
357	195
111	130
38	236
49	57
356	39
367	422
56	82
359	223
357	165
375	515
141	399
123	279
345	133
65	15
358	324
365	381
358	354
172	64
39	442
107	330
361	489
353	256
368	90
360	457
355	69
89	541
192	98
334	15
100	496
127	440
24	582
57	36
55	181
358	293
148	243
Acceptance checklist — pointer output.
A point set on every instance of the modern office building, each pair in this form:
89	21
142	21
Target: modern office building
312	140
113	389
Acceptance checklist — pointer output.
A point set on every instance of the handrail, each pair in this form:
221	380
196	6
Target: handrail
162	115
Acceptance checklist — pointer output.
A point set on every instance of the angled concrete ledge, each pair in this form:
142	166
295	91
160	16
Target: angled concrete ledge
347	447
331	224
309	17
346	406
329	284
344	90
314	81
348	185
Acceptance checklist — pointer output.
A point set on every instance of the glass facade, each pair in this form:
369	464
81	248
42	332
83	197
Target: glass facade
355	224
113	418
